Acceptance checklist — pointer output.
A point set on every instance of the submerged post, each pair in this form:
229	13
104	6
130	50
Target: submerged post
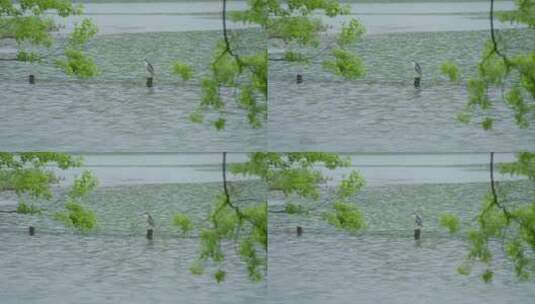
299	230
417	233
31	79
149	234
417	82
299	78
419	224
31	230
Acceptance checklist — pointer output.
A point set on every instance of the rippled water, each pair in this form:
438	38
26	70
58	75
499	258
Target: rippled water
383	112
116	264
384	264
115	111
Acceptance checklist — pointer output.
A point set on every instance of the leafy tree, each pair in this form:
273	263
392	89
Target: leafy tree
31	25
502	70
245	222
296	25
514	75
501	219
30	177
28	174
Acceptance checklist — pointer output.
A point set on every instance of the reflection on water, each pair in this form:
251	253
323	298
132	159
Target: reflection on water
383	264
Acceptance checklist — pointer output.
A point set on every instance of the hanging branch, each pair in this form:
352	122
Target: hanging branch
493	189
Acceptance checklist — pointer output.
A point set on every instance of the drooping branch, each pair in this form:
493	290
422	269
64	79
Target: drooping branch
495	48
495	200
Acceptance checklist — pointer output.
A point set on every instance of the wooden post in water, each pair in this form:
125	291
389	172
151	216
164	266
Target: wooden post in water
149	234
299	78
417	82
149	82
31	230
299	230
31	79
417	233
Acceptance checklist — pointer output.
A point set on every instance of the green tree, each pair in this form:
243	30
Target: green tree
514	75
30	176
501	70
29	22
293	22
245	222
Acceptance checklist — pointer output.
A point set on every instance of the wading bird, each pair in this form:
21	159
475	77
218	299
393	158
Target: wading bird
417	68
418	74
418	220
149	219
149	67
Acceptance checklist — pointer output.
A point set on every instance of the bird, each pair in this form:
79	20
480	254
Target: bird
150	221
149	67
418	220
417	68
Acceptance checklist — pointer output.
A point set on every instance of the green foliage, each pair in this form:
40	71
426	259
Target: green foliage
183	222
350	33
82	33
500	70
28	56
30	25
524	13
220	276
346	216
291	173
295	57
197	267
245	225
77	63
294	22
77	216
295	209
185	71
450	69
523	166
464	269
345	64
451	222
351	185
27	173
83	184
487	276
23	208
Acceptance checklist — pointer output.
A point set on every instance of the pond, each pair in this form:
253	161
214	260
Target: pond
116	111
116	264
383	111
383	263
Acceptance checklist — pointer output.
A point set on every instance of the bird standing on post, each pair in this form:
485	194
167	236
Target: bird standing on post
149	219
418	74
419	223
150	223
150	69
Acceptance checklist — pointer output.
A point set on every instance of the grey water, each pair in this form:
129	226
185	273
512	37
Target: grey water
383	263
115	263
383	111
115	111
